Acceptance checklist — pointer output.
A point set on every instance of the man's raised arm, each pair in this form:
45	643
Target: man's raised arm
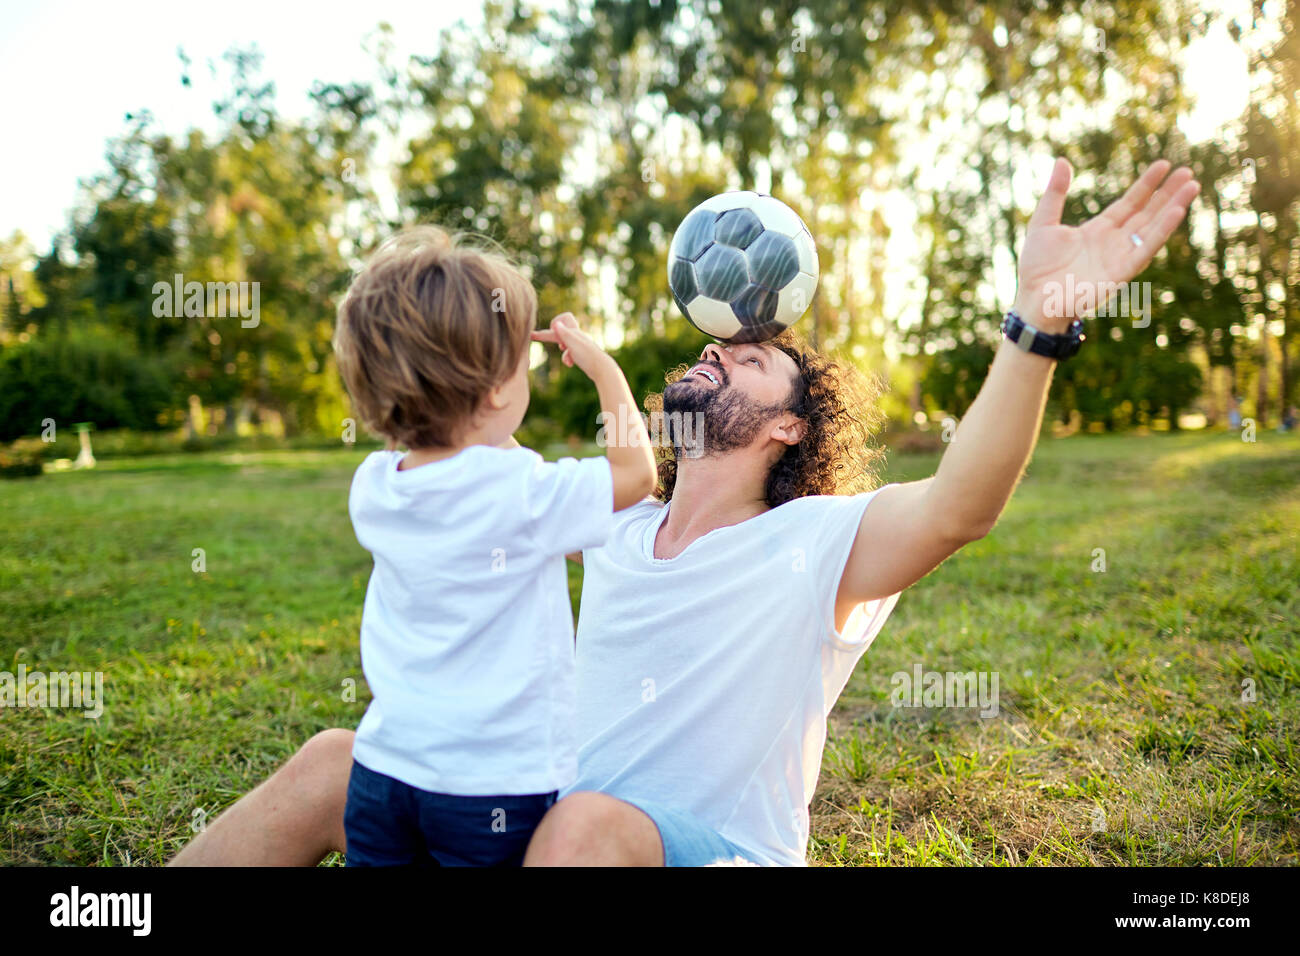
908	530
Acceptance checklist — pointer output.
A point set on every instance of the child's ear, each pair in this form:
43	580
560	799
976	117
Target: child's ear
495	400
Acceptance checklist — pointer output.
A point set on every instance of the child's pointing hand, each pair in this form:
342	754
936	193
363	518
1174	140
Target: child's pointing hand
579	348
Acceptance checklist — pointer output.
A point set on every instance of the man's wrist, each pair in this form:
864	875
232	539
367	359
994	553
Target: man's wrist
1033	340
1033	313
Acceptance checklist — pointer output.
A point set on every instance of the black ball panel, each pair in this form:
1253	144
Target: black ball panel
755	305
721	272
773	260
737	227
682	281
695	234
758	333
685	311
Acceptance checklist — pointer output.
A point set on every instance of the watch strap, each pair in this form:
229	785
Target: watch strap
1029	339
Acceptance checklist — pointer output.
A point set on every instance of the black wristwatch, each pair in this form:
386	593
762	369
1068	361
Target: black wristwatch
1030	339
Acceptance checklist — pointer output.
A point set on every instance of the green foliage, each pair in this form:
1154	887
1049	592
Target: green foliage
261	202
1127	380
22	459
953	378
78	375
579	136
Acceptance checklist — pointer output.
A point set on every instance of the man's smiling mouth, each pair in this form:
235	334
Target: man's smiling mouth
706	372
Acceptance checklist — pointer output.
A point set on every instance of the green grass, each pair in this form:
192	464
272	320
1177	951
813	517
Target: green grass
1122	736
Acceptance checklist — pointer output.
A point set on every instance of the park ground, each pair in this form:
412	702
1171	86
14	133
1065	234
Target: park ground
1148	712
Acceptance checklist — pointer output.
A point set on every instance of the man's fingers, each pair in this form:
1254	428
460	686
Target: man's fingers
1157	232
1050	207
1176	181
1137	195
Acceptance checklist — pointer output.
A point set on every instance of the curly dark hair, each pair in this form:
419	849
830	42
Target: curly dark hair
837	454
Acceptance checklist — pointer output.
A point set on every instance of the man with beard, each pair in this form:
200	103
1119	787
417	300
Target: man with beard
720	622
714	633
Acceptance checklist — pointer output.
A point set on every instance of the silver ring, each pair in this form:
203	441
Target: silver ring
1137	240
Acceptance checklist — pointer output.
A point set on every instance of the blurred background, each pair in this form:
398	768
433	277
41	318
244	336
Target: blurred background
912	138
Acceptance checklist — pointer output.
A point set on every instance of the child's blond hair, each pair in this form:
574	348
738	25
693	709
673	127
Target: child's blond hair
431	325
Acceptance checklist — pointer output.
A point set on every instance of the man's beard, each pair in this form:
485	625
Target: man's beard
729	418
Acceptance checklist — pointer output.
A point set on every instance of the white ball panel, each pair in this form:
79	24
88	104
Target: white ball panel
714	317
807	249
736	199
794	300
777	216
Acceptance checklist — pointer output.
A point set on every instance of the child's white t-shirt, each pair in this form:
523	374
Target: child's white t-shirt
467	630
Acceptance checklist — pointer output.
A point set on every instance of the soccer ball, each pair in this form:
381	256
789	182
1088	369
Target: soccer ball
742	267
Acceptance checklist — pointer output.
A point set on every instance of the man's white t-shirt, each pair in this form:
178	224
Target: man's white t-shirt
705	680
467	630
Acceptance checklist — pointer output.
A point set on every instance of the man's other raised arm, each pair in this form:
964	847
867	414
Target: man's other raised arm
908	530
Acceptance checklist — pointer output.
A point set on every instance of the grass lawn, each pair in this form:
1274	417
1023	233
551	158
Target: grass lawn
1122	735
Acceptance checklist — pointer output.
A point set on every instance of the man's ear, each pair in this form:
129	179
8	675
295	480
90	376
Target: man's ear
790	430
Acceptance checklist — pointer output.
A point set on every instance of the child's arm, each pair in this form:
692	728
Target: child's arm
630	458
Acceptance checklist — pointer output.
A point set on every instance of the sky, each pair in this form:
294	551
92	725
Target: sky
71	70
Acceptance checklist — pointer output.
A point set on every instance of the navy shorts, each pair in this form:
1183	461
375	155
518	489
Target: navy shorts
391	823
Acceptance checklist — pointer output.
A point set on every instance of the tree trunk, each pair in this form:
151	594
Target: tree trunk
1261	392
1262	281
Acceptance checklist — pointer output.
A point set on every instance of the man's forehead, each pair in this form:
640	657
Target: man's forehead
778	357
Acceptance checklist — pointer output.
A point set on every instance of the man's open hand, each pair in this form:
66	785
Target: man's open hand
1101	250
